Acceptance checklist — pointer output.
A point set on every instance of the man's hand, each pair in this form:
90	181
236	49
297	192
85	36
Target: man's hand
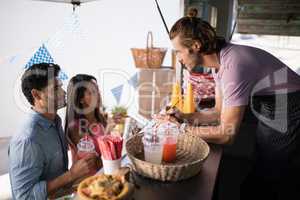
163	118
83	167
179	116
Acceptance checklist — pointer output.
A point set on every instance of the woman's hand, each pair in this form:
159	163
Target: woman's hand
83	166
110	125
118	118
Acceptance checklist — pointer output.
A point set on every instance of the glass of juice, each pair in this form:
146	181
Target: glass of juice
170	132
153	147
86	147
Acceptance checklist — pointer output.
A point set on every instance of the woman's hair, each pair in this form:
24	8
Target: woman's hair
75	92
192	28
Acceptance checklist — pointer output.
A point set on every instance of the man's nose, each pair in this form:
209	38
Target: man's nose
179	59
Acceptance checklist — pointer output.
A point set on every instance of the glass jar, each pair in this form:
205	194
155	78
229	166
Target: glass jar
86	147
170	133
153	146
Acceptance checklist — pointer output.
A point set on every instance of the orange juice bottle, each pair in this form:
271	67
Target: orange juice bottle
176	98
189	102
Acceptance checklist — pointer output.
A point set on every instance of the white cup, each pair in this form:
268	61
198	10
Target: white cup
110	166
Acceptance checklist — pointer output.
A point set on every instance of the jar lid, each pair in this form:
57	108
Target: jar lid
168	128
152	139
86	144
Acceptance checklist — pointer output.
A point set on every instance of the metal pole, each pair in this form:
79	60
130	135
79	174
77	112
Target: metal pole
166	27
162	17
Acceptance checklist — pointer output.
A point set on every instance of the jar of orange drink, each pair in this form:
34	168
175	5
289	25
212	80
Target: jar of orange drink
170	132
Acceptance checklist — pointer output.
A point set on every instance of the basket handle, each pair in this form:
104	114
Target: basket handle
149	45
149	40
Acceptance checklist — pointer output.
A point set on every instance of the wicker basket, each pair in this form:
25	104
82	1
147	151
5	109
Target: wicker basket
190	154
149	57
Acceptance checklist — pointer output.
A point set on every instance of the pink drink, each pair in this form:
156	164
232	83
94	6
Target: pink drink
86	147
83	154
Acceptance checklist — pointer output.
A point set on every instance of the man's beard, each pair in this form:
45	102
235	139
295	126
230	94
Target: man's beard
54	105
60	104
198	59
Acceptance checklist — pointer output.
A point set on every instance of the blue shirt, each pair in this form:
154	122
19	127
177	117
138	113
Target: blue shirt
37	154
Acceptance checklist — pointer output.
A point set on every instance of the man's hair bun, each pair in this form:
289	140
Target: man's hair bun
192	12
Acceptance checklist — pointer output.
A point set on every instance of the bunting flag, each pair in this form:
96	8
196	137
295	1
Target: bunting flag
71	30
117	92
133	81
72	25
62	75
13	59
41	56
56	41
72	22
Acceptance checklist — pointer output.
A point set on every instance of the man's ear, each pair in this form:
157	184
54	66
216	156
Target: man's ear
35	94
196	46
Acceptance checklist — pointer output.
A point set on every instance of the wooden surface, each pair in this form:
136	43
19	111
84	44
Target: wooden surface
199	187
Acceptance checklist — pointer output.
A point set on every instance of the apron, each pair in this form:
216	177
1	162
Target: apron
276	158
264	160
277	134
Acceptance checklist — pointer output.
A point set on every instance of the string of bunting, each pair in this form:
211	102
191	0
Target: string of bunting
71	25
42	55
118	90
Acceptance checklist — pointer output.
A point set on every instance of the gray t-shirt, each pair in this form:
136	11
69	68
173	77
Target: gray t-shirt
246	71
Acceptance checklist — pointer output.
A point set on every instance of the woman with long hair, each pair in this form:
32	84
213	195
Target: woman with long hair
83	116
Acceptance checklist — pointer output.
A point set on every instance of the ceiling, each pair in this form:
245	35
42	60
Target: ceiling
269	17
